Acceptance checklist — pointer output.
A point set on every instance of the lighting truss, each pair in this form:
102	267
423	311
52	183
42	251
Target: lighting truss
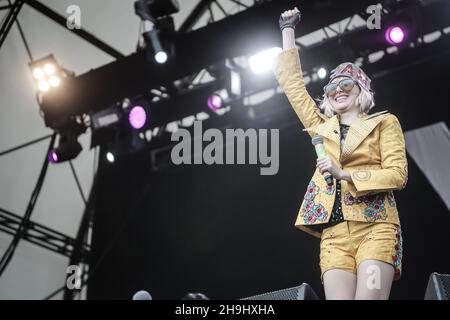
39	234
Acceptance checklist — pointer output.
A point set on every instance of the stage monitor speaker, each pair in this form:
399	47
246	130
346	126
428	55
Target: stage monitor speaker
302	292
438	287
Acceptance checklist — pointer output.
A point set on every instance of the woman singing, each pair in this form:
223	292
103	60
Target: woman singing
356	217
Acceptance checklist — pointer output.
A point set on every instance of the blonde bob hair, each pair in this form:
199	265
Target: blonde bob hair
365	101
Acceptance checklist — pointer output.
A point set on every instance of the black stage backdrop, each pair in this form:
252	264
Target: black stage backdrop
228	232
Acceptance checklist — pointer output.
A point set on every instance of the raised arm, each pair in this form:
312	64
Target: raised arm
288	35
288	72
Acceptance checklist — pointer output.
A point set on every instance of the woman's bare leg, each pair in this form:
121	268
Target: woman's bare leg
339	284
374	280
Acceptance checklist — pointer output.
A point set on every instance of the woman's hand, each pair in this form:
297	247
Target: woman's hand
327	164
289	19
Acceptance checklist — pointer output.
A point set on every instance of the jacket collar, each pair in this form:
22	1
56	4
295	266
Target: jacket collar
329	129
358	131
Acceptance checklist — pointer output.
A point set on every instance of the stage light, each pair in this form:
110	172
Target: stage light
395	35
322	73
54	81
38	73
137	117
65	152
219	99
161	57
105	118
52	156
47	73
154	46
68	146
262	62
105	123
110	157
215	102
403	23
228	79
153	10
43	85
159	13
49	69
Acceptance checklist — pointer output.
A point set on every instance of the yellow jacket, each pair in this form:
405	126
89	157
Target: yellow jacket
373	154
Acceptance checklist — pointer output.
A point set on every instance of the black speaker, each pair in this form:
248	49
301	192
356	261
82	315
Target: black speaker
302	292
438	287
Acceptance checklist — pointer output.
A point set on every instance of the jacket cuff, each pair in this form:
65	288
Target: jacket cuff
361	182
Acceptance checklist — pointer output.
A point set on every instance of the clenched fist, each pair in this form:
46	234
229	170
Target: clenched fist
289	19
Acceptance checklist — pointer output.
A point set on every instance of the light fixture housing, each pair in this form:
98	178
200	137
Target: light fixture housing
47	73
68	146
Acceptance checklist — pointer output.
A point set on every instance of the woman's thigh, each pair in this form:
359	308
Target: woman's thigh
374	280
339	284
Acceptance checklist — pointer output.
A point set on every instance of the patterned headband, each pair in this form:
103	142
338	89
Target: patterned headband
351	70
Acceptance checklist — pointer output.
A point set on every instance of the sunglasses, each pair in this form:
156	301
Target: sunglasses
346	85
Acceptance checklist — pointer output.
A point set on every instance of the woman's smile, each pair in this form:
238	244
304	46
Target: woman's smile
341	97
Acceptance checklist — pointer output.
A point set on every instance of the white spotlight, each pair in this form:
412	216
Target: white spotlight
49	69
161	57
322	73
38	73
110	157
154	44
47	73
262	62
43	85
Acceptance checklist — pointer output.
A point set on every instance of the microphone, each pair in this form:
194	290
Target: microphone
317	142
142	295
195	296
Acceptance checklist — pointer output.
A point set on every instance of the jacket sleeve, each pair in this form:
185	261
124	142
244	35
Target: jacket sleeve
288	72
393	174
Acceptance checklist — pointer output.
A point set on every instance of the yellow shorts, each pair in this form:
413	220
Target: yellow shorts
347	244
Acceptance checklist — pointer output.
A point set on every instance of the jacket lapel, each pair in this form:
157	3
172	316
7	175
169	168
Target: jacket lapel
358	131
329	129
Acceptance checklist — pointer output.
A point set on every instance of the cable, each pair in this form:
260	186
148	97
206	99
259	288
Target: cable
9	19
9	253
30	56
211	15
95	164
77	182
79	234
3	20
6	258
78	253
25	145
220	8
239	4
23	37
54	293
